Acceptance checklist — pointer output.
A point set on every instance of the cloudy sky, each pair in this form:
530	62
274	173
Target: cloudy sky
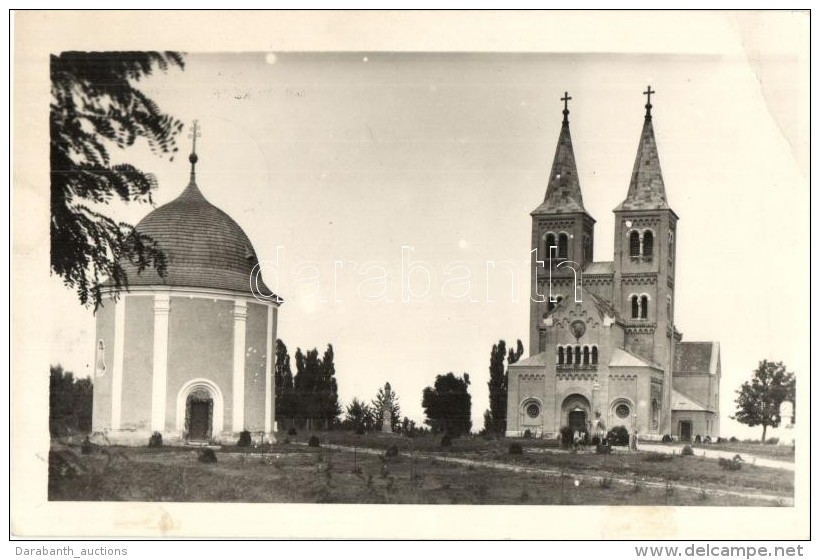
345	164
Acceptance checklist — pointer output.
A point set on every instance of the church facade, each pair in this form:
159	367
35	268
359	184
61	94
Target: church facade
606	351
188	354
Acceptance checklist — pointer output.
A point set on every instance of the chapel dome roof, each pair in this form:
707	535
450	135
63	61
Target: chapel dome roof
203	247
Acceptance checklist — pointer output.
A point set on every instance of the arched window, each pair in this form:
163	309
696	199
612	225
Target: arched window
587	248
634	244
635	311
648	244
644	307
578	355
569	355
560	354
549	241
586	355
594	355
563	246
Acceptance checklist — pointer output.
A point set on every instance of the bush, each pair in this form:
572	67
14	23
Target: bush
244	439
566	437
734	464
446	441
707	439
687	451
392	451
733	439
207	456
516	449
359	430
666	438
86	447
697	439
527	434
773	441
721	440
313	441
155	440
618	435
292	431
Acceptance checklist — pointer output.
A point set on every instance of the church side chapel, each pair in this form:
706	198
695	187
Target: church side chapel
188	354
608	351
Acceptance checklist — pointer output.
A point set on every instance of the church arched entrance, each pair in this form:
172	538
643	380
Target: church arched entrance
575	412
200	409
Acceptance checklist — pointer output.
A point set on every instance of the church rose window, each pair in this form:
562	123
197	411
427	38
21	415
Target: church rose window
533	410
622	411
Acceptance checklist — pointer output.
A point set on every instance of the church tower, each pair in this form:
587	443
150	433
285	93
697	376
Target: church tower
644	267
562	223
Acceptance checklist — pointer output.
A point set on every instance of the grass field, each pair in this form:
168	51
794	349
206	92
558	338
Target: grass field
423	473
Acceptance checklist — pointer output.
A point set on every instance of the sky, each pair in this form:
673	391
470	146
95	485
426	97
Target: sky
424	165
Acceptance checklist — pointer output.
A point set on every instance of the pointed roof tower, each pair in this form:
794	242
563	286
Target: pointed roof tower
564	189
646	189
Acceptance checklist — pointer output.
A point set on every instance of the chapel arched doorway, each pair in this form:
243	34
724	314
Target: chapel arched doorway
199	414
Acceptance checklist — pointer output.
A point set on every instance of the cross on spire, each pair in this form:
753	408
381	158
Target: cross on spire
648	93
565	99
194	134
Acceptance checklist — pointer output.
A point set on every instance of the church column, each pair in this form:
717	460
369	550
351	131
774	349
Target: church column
119	363
240	314
269	358
162	307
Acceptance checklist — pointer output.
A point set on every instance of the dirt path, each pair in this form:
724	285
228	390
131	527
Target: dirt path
782	500
717	454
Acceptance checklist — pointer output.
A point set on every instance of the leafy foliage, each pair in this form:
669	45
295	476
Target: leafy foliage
447	405
155	440
284	393
496	421
70	403
758	401
244	439
359	417
618	435
95	106
387	398
313	400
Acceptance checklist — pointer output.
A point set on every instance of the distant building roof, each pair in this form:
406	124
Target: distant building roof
684	403
624	358
537	360
697	357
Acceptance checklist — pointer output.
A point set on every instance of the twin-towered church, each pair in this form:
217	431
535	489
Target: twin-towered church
190	354
605	349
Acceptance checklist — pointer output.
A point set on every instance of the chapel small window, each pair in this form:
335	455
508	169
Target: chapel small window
586	355
549	241
648	243
578	355
634	244
635	310
569	355
561	355
563	245
644	307
594	355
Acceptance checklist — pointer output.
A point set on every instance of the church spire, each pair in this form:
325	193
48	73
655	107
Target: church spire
563	189
646	188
